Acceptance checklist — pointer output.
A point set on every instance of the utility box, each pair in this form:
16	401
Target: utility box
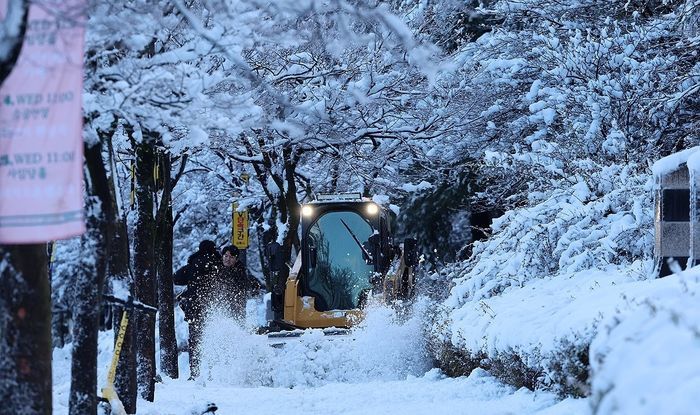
677	230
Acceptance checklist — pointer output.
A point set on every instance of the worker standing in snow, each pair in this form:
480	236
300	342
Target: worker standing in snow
199	275
233	285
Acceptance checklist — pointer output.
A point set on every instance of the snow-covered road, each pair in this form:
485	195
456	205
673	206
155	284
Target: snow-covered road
430	394
383	368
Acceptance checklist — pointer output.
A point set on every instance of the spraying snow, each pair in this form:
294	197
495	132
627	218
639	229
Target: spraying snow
386	346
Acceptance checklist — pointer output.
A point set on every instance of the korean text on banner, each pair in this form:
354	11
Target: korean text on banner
41	156
240	228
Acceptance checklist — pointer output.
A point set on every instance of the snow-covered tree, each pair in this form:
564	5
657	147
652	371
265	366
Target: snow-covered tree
572	101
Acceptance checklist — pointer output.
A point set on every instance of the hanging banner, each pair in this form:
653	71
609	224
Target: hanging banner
240	228
41	145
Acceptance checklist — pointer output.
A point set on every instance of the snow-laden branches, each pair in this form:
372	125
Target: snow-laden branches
579	84
600	220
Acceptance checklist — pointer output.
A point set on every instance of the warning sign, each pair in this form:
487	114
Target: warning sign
240	228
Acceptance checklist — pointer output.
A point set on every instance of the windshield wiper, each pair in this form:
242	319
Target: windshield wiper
366	255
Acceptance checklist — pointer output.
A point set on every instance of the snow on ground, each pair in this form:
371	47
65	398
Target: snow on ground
644	350
644	334
429	394
382	368
547	312
646	360
61	370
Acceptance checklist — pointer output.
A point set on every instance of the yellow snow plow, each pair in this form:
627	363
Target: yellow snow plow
347	257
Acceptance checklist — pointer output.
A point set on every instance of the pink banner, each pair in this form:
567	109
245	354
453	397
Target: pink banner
41	146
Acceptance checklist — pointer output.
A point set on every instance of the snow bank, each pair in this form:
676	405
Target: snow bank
539	336
646	360
571	270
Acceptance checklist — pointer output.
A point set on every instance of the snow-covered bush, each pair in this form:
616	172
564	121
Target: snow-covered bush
570	102
558	82
586	316
529	301
602	219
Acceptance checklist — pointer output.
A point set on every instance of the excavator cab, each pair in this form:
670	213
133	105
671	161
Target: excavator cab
347	255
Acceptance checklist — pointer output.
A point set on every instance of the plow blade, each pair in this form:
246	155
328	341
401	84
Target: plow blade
279	338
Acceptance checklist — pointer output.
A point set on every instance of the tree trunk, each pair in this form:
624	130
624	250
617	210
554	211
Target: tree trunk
87	293
88	287
119	273
25	330
144	270
164	260
265	237
125	380
291	209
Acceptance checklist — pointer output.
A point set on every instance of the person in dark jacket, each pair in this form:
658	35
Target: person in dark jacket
233	284
199	275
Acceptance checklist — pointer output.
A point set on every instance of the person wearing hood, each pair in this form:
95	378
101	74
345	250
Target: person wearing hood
198	275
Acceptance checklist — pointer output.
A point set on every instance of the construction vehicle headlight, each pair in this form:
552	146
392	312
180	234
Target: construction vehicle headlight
307	210
372	209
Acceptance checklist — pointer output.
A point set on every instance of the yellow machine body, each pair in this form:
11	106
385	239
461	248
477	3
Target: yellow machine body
300	311
346	257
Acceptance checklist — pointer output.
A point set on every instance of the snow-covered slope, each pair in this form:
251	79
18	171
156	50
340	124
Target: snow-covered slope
646	357
563	296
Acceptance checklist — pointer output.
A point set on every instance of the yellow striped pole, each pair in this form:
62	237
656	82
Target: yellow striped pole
108	391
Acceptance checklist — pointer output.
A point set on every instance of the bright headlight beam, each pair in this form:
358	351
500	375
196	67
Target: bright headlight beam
372	209
307	210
